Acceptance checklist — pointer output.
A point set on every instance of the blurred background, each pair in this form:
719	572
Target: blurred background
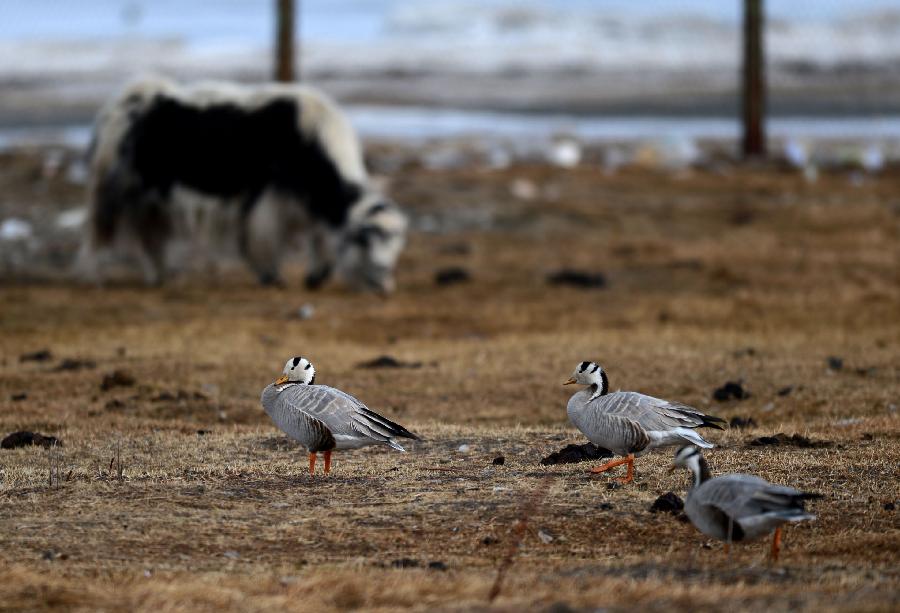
451	83
601	69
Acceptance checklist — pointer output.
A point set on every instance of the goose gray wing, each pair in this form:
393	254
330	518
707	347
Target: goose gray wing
367	422
289	415
752	503
655	414
618	433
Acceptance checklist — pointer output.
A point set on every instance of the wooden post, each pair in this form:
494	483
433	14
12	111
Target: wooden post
754	84
284	40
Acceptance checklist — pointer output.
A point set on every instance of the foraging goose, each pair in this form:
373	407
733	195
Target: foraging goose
738	507
323	418
628	423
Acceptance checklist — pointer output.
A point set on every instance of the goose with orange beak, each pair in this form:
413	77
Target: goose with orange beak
629	423
323	418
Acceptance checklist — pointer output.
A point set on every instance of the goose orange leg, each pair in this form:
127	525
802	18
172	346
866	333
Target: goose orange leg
312	463
327	461
629	476
776	544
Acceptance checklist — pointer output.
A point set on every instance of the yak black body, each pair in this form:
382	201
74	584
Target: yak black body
231	152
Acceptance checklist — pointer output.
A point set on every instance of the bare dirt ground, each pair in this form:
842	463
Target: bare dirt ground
177	493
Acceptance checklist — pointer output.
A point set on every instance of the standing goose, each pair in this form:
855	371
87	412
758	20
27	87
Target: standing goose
628	423
738	507
322	418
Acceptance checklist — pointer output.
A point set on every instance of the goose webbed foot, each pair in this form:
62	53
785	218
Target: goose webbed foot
629	460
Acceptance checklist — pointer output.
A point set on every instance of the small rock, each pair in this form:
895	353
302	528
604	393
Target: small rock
306	311
784	391
523	189
834	362
405	563
546	537
13	229
742	422
577	278
48	555
203	432
564	152
889	506
572	454
25	439
452	276
731	389
19	397
490	540
42	355
233	555
117	378
386	361
437	565
464	448
499	461
669	502
605	506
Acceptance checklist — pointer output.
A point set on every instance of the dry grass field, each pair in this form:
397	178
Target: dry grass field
176	492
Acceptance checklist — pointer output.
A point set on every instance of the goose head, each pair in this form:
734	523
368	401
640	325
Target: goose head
590	373
297	370
689	457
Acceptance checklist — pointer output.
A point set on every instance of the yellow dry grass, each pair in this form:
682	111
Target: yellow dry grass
751	275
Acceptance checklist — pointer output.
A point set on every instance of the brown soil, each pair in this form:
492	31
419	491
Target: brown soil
177	493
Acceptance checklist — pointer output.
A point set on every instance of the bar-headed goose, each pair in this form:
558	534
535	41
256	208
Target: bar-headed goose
322	418
628	423
738	507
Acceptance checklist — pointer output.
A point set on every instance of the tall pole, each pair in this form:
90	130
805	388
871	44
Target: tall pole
754	82
284	40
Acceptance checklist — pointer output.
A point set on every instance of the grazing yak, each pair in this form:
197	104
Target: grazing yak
259	165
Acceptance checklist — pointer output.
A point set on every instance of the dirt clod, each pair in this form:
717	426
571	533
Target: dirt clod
670	502
572	454
499	461
834	362
742	422
577	278
386	361
26	439
117	378
42	355
452	276
732	390
783	440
